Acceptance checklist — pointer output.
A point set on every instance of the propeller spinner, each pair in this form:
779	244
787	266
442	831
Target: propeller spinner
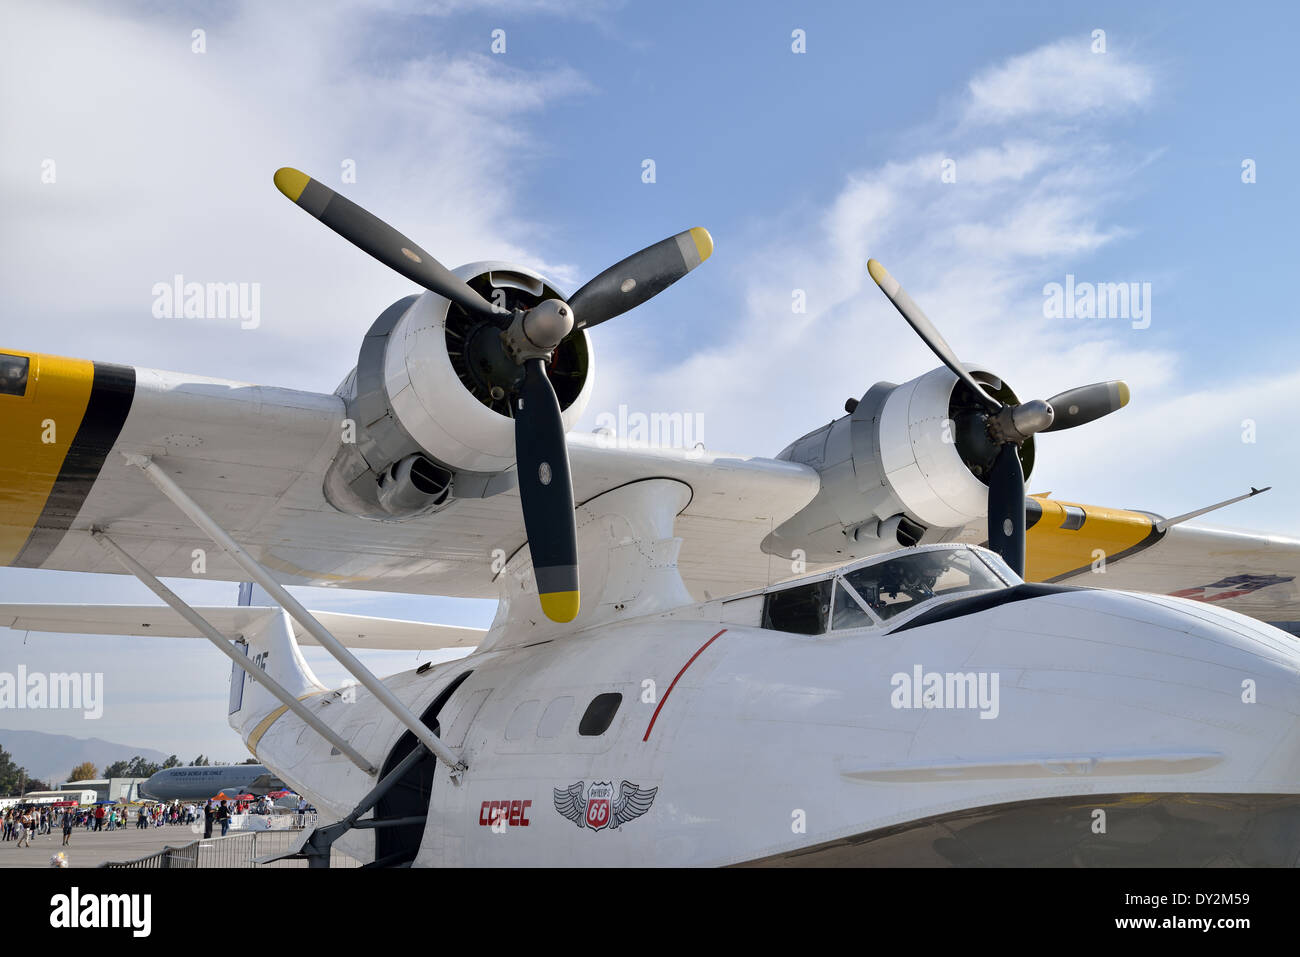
1007	426
526	342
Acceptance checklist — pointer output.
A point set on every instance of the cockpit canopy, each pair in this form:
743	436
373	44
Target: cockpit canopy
882	590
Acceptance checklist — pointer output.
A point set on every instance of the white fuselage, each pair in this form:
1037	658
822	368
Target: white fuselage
769	742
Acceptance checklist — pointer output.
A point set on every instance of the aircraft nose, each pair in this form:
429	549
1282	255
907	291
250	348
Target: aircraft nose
1171	674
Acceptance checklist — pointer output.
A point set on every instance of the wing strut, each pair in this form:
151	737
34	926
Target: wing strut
226	648
249	564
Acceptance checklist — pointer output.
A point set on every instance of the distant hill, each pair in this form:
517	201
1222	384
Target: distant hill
51	757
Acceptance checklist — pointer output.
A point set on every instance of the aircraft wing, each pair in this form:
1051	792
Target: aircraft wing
1247	572
355	631
255	457
1253	573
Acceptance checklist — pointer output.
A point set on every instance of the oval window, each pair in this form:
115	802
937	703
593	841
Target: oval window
600	714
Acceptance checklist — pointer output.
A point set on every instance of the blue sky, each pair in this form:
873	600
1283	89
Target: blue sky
1115	167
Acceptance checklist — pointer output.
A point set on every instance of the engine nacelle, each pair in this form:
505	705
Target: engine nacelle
431	419
907	466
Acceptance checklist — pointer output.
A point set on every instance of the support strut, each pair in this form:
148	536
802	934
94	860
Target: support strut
223	644
316	848
167	485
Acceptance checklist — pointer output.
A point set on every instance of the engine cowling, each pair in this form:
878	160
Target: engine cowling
431	420
907	465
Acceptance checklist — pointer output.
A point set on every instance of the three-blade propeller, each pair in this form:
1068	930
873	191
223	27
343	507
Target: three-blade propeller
528	338
1006	427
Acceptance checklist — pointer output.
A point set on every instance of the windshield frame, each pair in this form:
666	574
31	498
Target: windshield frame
841	584
995	567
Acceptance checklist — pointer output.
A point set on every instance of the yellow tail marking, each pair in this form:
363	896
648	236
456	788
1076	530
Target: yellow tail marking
264	725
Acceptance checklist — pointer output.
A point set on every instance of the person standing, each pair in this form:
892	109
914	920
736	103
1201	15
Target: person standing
208	815
223	814
67	827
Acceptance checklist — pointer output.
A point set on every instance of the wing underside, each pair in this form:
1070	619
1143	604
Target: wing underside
160	621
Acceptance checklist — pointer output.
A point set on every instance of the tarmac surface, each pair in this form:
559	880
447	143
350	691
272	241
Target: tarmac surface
92	848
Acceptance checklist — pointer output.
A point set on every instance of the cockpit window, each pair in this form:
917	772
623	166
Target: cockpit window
13	374
892	587
802	609
847	612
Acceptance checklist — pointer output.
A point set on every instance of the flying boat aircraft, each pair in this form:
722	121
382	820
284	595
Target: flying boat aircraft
960	675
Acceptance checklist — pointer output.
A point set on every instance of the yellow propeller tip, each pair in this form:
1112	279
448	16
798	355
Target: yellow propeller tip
560	606
291	182
883	279
1123	393
703	242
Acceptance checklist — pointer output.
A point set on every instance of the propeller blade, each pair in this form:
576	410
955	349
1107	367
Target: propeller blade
1086	403
926	330
372	235
1007	508
640	276
546	493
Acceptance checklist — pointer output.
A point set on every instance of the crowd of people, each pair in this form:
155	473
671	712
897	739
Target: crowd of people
22	823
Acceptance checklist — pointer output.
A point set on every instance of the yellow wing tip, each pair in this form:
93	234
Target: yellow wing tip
291	182
1123	394
703	242
561	606
878	272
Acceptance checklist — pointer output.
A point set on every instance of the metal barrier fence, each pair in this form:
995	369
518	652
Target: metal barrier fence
233	850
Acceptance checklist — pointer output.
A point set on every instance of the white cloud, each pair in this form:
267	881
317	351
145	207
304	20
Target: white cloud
976	254
164	160
1061	80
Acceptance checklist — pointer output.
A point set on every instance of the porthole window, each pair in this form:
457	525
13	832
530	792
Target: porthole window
600	714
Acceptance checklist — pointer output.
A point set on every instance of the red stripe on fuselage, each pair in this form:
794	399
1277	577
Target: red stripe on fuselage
654	717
